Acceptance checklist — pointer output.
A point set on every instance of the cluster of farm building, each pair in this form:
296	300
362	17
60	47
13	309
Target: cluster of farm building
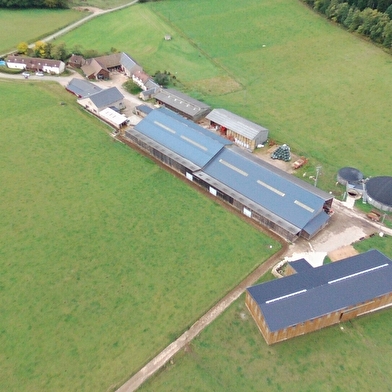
213	149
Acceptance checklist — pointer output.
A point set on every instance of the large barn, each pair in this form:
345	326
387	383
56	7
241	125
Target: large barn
284	204
183	104
175	141
103	99
242	131
314	298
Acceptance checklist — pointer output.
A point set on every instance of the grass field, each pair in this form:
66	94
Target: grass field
105	257
318	88
31	25
103	4
231	355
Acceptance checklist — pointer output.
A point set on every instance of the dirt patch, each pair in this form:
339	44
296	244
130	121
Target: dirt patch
342	253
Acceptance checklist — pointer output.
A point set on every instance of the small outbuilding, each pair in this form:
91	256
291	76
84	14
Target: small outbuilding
114	118
314	298
238	129
182	104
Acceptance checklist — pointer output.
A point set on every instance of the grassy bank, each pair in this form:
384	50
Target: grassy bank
231	355
105	257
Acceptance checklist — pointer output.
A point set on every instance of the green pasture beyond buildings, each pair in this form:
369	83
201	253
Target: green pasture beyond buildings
105	257
318	88
31	25
231	354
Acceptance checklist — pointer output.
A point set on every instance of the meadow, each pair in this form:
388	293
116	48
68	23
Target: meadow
231	354
105	256
318	88
31	25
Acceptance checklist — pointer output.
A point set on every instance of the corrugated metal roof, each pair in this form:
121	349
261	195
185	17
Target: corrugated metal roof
238	124
267	186
106	97
182	102
82	88
314	292
181	136
112	116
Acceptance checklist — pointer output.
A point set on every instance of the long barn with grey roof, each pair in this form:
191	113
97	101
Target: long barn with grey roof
314	298
286	205
177	142
242	131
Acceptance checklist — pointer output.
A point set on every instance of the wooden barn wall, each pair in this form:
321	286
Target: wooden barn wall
317	323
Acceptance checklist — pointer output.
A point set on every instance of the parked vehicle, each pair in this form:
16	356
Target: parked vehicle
39	73
26	75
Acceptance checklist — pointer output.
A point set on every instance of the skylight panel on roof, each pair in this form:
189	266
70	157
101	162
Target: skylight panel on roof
194	143
271	188
358	273
232	167
304	206
285	296
164	127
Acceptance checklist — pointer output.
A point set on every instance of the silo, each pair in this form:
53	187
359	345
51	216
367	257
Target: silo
349	175
379	192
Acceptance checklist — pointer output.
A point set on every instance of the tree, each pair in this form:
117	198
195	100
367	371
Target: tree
162	78
22	48
40	49
59	51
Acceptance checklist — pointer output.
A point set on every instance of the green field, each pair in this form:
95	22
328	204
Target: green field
231	355
103	4
318	88
31	25
105	257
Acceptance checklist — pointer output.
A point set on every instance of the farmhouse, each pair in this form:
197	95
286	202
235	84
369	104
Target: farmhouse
103	99
180	103
314	298
82	88
282	203
145	82
243	132
35	64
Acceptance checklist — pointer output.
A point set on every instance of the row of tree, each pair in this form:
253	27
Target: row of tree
58	51
34	3
369	22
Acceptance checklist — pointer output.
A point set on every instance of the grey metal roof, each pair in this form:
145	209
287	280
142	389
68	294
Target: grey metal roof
144	109
106	97
127	61
238	124
286	197
82	88
182	102
181	136
380	189
314	292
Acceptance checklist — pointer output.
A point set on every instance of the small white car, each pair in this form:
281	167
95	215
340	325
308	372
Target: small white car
39	73
25	74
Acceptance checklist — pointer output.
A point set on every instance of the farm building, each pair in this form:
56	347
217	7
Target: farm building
113	118
76	61
379	192
314	298
93	69
143	110
145	82
182	104
283	203
82	88
128	65
238	129
349	176
110	97
36	64
175	141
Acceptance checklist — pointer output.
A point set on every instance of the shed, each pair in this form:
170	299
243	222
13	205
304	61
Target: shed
242	131
82	88
182	104
114	118
314	298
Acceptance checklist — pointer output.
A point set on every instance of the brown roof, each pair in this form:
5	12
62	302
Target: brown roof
109	61
33	62
76	59
92	66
